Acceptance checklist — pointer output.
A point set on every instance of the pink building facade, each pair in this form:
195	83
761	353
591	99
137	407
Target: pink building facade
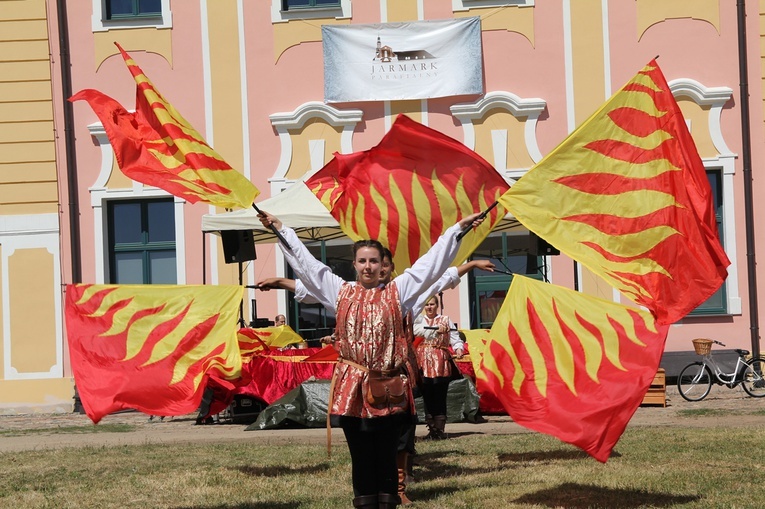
249	76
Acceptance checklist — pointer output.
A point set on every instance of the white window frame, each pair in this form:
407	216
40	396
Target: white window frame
716	98
101	24
100	195
464	5
280	16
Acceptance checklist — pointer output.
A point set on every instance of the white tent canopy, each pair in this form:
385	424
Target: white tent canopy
298	208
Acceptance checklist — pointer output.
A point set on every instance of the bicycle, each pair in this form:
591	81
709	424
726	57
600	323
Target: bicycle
695	380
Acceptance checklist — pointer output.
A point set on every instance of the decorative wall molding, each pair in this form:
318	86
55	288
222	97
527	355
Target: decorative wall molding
17	233
530	109
296	120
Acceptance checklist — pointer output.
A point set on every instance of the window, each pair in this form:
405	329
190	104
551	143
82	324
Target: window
121	14
312	321
464	5
285	10
308	4
717	303
142	241
488	289
117	9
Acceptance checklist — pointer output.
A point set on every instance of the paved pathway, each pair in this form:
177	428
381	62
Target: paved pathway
66	430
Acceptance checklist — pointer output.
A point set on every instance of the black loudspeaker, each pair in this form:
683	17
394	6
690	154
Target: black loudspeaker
245	409
539	246
238	245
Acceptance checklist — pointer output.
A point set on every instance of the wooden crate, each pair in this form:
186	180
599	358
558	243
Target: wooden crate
657	392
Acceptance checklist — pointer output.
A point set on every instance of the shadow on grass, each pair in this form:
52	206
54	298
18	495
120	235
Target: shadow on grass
464	434
279	470
246	505
415	493
435	465
547	456
574	496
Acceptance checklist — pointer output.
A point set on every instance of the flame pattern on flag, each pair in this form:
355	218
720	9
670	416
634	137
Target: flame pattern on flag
150	347
262	340
158	147
408	189
570	365
627	195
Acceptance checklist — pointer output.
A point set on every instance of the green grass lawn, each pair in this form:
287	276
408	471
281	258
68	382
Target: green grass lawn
651	467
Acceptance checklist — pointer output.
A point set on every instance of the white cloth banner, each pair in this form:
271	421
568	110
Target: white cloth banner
395	61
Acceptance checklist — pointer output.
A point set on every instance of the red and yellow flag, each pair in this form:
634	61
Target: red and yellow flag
256	341
408	189
150	347
626	195
158	147
570	365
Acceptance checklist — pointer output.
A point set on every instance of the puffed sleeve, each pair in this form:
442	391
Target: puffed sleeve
426	271
317	279
449	280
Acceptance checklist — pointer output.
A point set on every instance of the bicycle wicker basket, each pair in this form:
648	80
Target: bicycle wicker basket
702	346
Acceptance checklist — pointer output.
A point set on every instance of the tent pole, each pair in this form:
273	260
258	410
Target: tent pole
204	258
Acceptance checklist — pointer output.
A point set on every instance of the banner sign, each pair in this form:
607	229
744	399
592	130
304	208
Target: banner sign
396	61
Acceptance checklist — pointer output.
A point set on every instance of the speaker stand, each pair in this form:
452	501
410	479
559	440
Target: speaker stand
242	324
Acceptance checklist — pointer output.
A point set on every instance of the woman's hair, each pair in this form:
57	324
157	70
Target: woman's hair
435	298
387	254
369	243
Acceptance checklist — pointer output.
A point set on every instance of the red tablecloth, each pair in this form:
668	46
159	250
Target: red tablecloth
274	375
271	376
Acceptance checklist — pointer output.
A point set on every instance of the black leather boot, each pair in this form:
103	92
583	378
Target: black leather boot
440	422
388	501
365	502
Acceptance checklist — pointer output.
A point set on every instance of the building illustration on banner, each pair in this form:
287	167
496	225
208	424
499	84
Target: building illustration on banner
386	53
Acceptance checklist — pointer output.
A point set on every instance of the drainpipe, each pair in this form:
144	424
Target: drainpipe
746	159
71	160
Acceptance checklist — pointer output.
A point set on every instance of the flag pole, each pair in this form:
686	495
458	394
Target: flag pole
276	232
469	227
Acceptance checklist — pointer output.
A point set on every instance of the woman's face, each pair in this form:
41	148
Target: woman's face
431	308
368	264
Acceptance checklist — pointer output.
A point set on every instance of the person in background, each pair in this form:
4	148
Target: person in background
370	336
280	320
435	360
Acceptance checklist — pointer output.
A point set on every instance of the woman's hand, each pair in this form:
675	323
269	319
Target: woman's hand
267	220
484	265
443	328
471	219
268	284
459	353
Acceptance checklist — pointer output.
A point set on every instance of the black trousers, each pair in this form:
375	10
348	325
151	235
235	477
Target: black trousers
406	440
373	454
434	395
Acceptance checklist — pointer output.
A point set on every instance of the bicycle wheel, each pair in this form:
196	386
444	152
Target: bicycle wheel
753	380
694	382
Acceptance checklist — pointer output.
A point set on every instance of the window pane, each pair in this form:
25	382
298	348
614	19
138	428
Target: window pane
339	259
489	304
128	268
120	7
298	3
149	6
126	219
162	267
327	2
161	221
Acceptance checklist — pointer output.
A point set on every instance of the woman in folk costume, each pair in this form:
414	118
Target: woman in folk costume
372	343
435	361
